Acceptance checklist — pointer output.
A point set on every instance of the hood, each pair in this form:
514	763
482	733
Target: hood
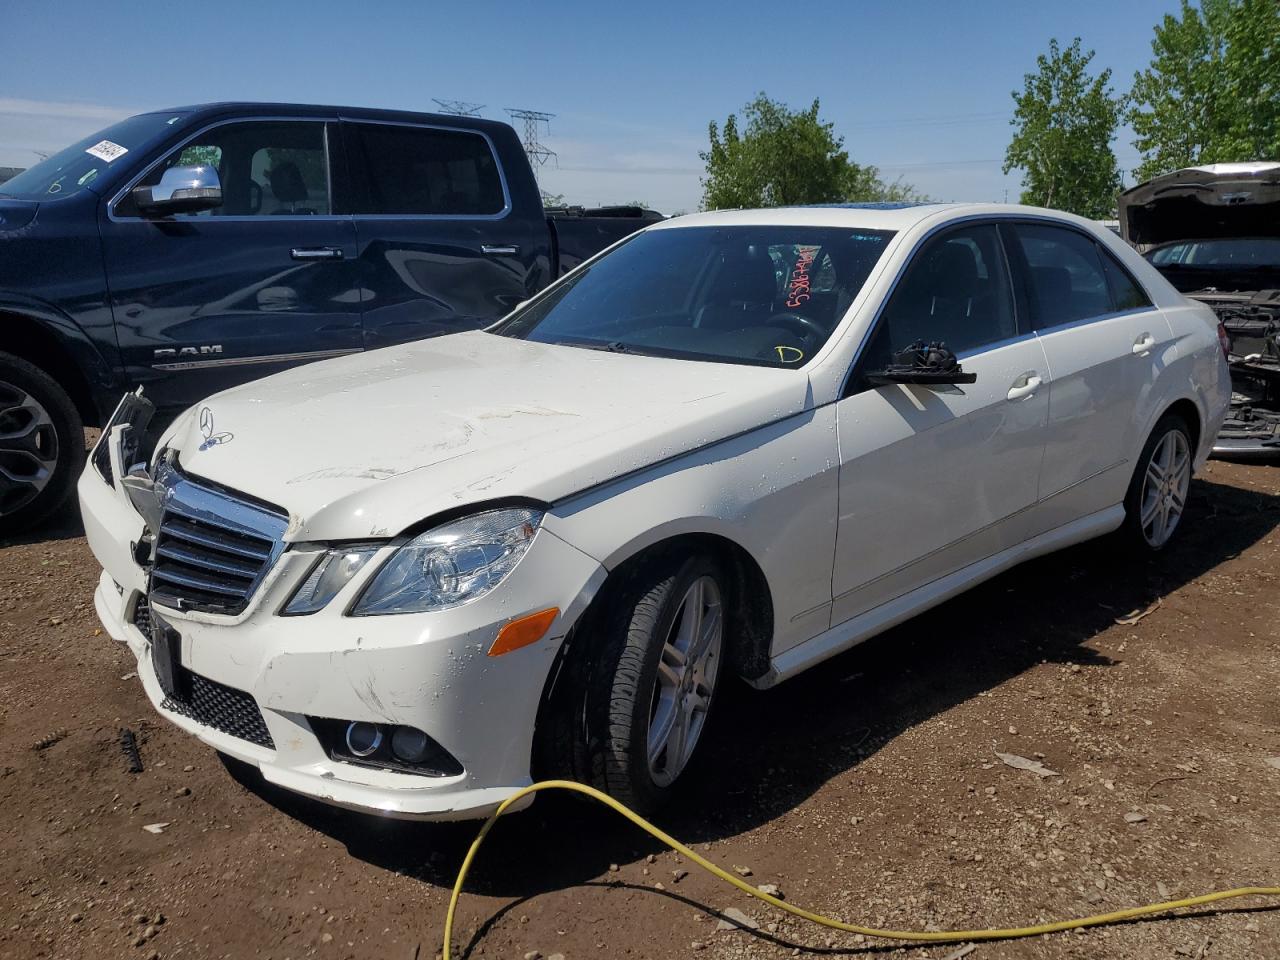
367	445
1202	203
15	215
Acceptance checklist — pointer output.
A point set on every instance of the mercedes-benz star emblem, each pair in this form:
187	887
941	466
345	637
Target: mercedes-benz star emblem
211	439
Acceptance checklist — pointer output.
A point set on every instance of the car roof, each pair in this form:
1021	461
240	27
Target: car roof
871	216
251	108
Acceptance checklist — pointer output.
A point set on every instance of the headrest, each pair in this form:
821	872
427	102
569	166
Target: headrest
953	271
286	182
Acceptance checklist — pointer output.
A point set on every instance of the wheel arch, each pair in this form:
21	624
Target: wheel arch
59	347
751	629
1187	409
749	634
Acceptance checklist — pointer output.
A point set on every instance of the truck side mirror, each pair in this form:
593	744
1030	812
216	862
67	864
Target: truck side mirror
180	190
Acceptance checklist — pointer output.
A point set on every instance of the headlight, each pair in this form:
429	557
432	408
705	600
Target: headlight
331	574
452	564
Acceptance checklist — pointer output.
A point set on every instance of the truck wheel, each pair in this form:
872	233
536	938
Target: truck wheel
41	445
653	681
1157	494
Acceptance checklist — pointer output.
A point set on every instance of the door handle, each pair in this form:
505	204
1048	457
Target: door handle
316	253
1025	386
1144	343
500	249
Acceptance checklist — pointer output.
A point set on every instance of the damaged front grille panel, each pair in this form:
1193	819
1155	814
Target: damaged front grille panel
213	548
216	705
206	701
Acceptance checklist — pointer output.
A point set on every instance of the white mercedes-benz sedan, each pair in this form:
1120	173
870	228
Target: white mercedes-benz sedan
734	444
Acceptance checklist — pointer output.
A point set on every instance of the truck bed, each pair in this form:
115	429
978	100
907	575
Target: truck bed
577	234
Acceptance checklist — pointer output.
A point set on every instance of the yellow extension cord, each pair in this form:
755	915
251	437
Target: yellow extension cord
929	936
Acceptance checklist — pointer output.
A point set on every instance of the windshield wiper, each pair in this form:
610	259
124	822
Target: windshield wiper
613	346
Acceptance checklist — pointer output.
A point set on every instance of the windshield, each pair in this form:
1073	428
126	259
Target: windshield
1239	253
81	164
767	295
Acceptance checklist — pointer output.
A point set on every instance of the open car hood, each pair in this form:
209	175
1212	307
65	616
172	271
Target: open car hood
1201	203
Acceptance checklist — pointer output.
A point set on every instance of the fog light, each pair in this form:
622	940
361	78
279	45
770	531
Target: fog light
410	744
363	738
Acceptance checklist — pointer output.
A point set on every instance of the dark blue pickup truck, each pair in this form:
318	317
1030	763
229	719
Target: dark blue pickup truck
191	249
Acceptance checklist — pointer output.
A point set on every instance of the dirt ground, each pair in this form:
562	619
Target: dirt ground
869	789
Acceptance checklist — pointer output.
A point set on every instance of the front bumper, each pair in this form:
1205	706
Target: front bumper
1251	429
429	671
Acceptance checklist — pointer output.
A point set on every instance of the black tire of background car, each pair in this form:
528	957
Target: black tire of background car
597	732
1130	532
70	433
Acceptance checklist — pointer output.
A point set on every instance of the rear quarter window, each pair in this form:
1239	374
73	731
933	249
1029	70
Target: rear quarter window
1126	294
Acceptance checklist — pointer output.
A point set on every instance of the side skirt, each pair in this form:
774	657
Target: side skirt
866	625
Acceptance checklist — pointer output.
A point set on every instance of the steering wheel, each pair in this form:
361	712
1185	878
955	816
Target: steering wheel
800	325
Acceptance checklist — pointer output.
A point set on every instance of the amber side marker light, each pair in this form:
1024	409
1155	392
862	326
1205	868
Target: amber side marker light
523	631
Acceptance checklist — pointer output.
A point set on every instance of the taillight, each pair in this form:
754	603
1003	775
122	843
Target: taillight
1224	341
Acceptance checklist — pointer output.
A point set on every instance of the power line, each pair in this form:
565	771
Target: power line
459	108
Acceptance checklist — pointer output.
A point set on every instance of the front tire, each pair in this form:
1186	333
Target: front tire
652	682
1157	496
41	445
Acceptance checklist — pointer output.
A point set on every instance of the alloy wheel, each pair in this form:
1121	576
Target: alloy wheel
28	448
1164	488
687	670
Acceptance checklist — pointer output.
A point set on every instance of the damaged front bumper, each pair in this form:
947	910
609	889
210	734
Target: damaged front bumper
270	690
1251	322
1252	426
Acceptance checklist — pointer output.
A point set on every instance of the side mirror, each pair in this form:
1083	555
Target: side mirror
181	190
927	364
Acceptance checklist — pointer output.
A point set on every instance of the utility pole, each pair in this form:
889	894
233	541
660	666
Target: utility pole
534	120
459	108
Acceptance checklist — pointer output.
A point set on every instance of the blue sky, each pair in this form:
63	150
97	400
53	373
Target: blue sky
920	89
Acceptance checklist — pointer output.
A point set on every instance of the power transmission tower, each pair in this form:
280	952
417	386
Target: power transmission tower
459	108
534	120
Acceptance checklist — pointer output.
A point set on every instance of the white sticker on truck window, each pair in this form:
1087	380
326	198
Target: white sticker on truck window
106	150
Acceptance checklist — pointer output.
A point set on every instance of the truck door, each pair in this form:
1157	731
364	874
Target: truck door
267	280
440	248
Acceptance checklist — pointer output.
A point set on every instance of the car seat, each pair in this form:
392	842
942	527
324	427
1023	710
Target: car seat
289	189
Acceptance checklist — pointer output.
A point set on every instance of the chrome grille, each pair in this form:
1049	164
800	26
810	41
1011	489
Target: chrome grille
213	547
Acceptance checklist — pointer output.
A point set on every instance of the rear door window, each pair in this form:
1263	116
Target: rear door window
423	171
1065	278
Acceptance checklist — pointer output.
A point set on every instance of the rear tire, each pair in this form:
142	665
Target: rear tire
642	688
1157	497
41	445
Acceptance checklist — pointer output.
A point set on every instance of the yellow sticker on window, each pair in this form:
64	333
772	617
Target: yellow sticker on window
789	354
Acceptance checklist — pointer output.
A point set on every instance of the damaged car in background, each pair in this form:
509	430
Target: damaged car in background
410	581
1214	233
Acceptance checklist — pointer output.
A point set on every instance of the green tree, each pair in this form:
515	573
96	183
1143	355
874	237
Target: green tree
785	157
1212	91
1066	120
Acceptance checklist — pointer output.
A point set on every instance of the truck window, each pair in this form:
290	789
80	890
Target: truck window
267	168
423	171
